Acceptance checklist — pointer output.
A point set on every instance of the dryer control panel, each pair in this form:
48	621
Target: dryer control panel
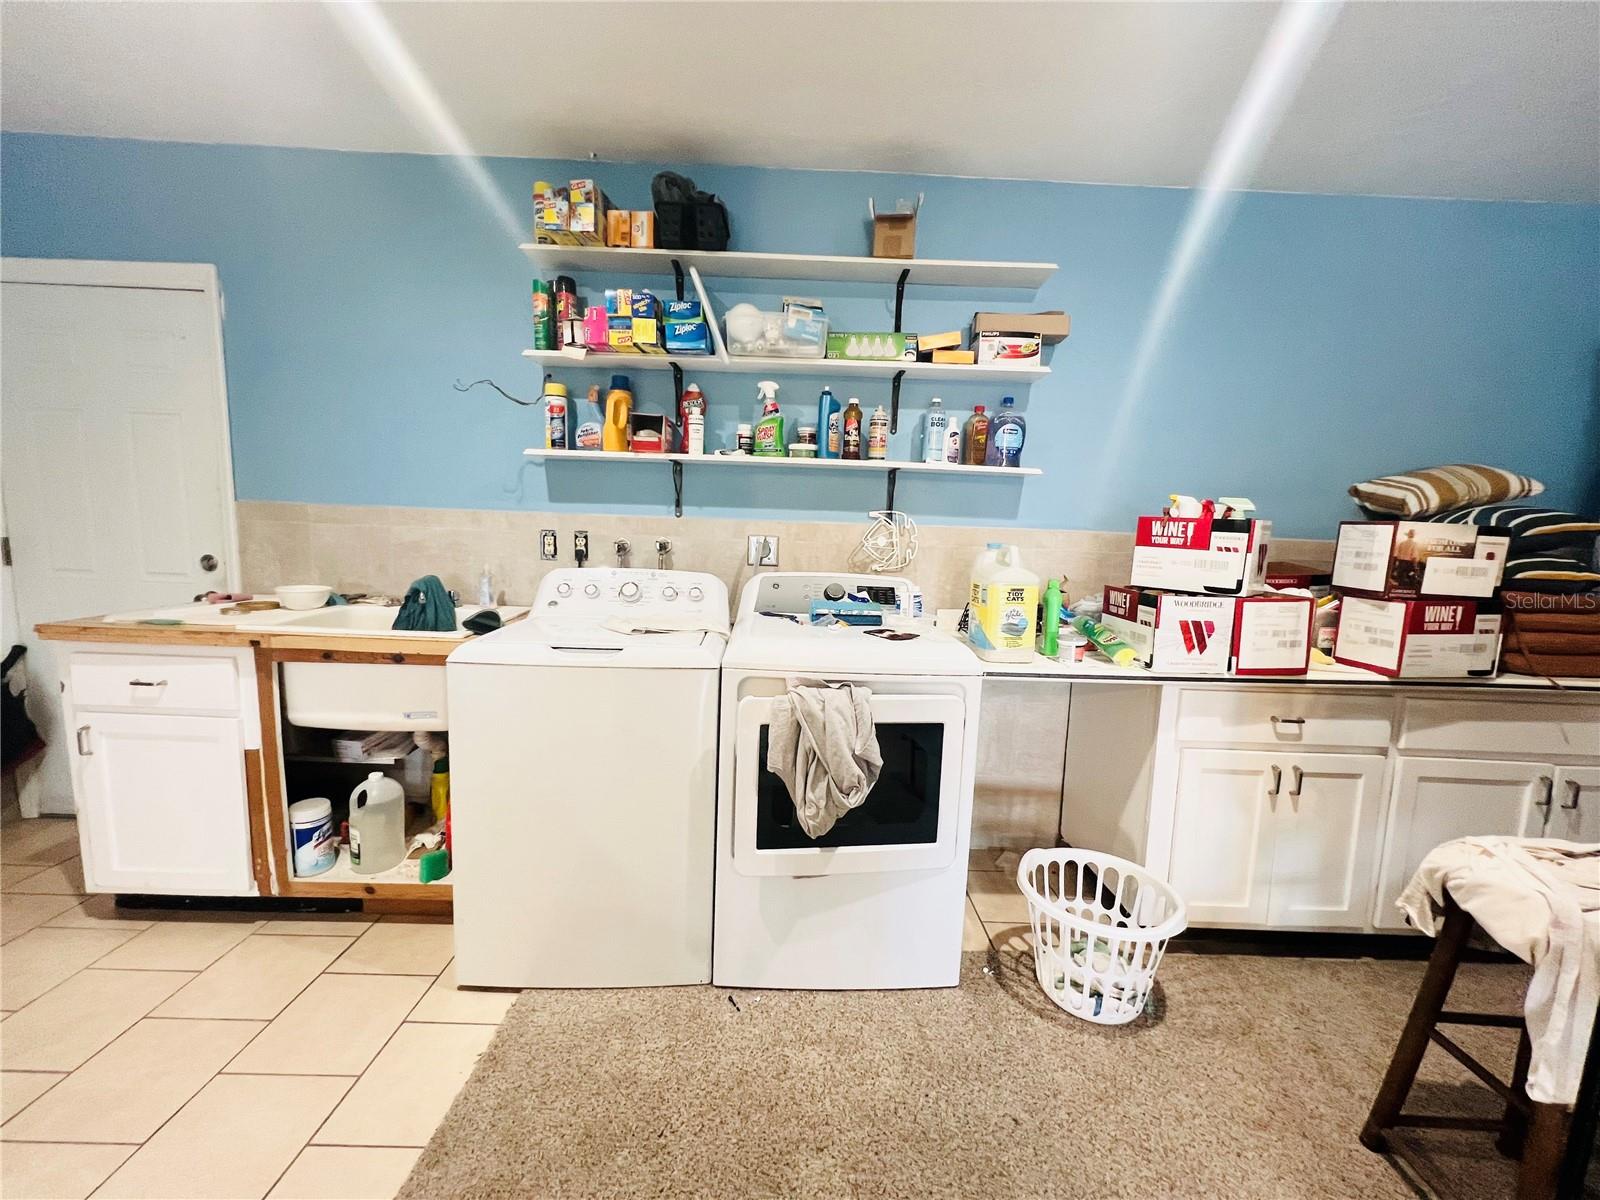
601	592
793	591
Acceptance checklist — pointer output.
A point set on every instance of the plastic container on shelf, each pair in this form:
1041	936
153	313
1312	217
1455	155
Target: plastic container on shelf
1100	926
311	832
751	333
377	825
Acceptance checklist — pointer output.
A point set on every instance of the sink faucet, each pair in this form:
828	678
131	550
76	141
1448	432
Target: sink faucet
663	553
623	550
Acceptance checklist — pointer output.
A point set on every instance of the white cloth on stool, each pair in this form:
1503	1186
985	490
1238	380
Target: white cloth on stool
1540	899
822	743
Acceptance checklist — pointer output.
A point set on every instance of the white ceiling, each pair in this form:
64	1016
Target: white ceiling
1493	100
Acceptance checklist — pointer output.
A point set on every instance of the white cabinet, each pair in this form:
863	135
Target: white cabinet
1438	799
1574	809
1274	839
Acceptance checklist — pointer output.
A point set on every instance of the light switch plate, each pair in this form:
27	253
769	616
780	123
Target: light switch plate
761	550
549	548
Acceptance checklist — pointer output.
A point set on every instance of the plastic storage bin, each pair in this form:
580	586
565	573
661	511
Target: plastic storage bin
752	333
1100	927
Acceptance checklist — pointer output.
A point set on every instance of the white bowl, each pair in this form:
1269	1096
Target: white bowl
302	595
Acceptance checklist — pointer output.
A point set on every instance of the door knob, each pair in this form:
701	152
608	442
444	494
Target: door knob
208	562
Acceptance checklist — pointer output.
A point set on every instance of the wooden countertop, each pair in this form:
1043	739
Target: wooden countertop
133	633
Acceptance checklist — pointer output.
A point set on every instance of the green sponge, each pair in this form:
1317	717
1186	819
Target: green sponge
434	865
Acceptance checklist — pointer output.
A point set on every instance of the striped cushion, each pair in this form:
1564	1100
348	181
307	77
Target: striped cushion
1440	489
1531	529
1551	574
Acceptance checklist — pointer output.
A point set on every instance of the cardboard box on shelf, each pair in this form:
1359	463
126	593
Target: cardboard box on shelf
687	337
619	231
1190	635
1401	560
642	229
1009	348
879	347
1219	557
1316	580
1050	326
551	207
1272	634
949	340
588	206
1417	639
954	357
894	234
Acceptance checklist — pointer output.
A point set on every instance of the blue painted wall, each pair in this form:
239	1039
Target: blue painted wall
1325	340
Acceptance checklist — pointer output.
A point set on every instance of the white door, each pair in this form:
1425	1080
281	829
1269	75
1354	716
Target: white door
165	804
115	463
1439	799
1575	809
1222	837
1325	840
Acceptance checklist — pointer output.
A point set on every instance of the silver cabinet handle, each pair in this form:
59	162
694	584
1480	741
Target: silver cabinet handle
1299	779
147	683
1276	720
83	741
1277	782
1570	804
1548	785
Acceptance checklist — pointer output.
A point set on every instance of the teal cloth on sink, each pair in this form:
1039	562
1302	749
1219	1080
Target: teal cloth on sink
427	607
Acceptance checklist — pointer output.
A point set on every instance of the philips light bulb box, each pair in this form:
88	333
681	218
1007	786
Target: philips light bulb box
1216	556
1405	560
1178	634
1417	639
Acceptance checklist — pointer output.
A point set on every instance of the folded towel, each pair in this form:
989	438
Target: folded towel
426	608
824	747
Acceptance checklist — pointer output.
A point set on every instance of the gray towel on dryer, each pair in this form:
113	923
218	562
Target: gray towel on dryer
823	745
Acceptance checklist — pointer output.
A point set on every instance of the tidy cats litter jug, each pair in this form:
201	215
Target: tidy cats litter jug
377	825
1004	606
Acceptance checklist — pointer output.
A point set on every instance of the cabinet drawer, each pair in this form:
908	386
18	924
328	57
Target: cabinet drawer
1297	718
1524	728
161	683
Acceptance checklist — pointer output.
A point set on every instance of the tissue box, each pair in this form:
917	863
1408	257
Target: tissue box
1411	639
1272	634
1190	635
1401	560
1220	557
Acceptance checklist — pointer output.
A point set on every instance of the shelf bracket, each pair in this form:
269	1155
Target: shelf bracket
677	488
888	502
677	385
677	276
900	297
894	402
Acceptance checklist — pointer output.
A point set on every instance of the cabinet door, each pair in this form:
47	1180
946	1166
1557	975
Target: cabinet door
1325	840
1221	836
1438	799
161	802
1575	811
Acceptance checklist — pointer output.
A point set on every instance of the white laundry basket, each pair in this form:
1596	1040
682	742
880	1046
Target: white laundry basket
1100	925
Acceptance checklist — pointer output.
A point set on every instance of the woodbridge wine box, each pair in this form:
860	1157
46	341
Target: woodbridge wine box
1216	557
1404	560
1190	635
1417	639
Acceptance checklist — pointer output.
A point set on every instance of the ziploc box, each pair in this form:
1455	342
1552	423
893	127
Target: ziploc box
1409	639
1189	635
1219	557
1402	560
1272	634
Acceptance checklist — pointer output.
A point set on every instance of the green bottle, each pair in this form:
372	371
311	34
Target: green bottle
1050	641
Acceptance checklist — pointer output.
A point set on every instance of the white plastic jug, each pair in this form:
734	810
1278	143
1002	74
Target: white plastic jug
377	824
1004	606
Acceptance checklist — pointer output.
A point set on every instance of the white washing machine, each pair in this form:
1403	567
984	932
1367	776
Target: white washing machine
879	901
583	784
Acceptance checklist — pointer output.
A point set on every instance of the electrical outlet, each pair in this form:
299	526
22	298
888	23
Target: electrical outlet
580	546
762	550
549	548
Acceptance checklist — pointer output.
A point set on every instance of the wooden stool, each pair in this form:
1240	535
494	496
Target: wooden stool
1535	1132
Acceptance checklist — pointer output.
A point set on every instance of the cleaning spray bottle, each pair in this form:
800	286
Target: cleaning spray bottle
830	429
619	403
769	441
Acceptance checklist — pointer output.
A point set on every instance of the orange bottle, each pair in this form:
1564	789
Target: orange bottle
975	438
619	404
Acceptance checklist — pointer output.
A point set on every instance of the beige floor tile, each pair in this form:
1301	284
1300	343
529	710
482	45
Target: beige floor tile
333	925
64	879
451	1004
399	949
124	1093
20	913
996	896
101	912
982	858
59	1031
177	946
408	1087
345	1173
11	876
18	1089
335	1027
1010	938
57	1172
972	935
41	958
256	979
233	1139
42	840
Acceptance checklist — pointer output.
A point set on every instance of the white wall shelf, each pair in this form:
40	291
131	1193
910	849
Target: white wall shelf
735	264
844	368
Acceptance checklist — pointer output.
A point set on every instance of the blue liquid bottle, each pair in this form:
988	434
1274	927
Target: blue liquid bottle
830	426
1007	432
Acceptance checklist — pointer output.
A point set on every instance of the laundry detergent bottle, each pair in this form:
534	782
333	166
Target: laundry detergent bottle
1004	606
769	441
619	404
830	426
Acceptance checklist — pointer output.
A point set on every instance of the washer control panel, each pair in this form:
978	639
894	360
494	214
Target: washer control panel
793	591
600	592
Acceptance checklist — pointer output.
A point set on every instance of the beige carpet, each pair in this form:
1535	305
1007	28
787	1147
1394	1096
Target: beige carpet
1248	1077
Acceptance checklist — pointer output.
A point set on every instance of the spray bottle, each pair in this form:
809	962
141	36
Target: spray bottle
769	441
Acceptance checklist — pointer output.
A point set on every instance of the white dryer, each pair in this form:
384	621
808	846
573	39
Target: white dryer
583	784
878	901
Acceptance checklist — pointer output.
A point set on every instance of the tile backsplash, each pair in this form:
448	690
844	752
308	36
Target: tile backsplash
384	549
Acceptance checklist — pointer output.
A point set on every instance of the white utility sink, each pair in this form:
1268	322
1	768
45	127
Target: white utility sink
206	614
376	620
